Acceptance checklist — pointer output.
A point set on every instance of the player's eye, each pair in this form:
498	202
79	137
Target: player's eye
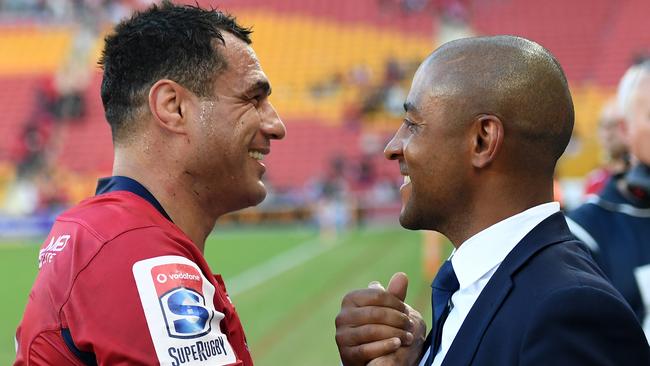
256	100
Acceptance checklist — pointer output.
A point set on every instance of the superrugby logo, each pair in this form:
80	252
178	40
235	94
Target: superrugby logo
186	313
179	288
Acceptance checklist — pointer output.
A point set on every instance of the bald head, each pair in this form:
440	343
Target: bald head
512	78
631	82
634	98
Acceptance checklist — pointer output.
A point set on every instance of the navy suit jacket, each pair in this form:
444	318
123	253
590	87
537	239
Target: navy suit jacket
548	303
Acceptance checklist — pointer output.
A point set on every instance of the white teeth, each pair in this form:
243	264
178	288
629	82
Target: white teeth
256	155
407	179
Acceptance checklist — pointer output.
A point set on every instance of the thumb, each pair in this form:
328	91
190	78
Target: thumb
398	285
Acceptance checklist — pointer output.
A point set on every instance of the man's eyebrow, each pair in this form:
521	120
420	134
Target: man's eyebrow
409	107
259	86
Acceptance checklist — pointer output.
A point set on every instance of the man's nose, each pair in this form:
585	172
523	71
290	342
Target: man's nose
393	149
272	125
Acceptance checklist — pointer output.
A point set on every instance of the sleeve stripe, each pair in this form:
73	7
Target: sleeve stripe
87	358
582	234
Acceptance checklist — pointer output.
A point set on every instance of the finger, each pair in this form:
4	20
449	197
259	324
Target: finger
374	315
385	360
376	284
372	297
398	285
354	336
369	351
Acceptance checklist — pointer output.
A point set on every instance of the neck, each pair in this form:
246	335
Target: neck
172	191
491	206
634	195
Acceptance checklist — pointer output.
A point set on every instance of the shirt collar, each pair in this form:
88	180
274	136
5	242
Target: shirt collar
120	183
488	248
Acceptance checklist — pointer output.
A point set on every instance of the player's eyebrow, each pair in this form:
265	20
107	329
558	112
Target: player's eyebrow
262	86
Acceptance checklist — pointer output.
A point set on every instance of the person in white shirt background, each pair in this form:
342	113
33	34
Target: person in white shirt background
486	120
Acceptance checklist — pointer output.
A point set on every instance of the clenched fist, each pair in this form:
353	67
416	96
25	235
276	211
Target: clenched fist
375	322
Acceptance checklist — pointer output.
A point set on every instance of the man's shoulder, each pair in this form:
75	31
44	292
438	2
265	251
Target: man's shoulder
112	214
566	264
561	285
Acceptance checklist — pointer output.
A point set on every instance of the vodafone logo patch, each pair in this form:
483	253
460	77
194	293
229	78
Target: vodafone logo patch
178	303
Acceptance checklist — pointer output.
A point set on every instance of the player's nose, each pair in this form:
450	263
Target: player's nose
272	126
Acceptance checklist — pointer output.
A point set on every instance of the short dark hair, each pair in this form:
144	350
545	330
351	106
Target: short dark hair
164	41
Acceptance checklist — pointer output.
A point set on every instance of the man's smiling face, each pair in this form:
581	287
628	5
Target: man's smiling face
234	129
430	150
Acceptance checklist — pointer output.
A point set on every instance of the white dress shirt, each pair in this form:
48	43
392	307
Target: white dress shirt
476	260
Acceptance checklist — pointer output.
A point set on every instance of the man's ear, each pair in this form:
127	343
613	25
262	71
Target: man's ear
623	130
168	104
487	138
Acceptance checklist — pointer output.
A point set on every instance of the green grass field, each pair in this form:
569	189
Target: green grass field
286	284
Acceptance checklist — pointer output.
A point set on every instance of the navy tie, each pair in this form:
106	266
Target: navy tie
443	286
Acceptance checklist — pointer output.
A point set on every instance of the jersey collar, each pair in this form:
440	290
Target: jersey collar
120	183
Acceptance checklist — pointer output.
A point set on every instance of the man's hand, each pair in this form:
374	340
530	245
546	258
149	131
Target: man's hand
374	322
406	354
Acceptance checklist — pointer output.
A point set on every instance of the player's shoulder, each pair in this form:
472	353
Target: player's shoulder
112	214
115	229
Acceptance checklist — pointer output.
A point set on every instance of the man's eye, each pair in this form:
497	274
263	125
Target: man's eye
412	127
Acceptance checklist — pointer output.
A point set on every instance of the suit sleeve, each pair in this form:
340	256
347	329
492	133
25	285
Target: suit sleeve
584	326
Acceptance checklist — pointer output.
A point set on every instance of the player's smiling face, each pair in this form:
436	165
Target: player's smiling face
234	129
428	146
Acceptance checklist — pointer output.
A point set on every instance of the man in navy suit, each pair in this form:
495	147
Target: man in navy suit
486	121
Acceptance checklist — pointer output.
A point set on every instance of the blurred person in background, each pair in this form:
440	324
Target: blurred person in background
122	277
615	224
486	121
613	145
334	205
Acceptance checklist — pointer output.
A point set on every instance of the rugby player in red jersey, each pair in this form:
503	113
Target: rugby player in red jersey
122	275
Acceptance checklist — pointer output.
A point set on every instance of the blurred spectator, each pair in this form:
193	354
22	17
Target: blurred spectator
32	148
59	101
414	6
615	224
334	204
52	197
327	88
376	101
614	149
95	11
453	20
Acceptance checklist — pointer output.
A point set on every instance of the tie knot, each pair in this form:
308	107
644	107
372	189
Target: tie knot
446	279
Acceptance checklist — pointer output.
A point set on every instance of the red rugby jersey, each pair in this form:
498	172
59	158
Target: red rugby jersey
120	284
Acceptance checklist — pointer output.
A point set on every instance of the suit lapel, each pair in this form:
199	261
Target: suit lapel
550	231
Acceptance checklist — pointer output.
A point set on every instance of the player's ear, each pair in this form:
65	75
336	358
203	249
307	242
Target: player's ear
168	102
487	137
